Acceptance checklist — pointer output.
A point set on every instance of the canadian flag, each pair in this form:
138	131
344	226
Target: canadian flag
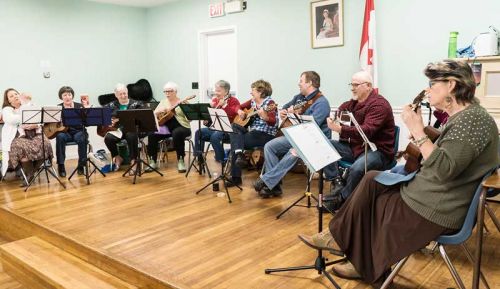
368	51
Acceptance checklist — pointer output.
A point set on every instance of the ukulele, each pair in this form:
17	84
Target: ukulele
250	113
286	123
103	130
167	115
412	152
224	101
51	130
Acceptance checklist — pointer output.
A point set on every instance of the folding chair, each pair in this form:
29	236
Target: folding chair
458	238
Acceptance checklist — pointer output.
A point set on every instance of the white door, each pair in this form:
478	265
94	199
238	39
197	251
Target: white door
218	60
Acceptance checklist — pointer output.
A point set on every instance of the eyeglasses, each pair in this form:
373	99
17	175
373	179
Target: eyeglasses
168	91
355	85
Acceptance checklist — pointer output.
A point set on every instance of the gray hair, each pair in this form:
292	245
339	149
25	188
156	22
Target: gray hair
171	85
460	72
364	76
224	85
120	87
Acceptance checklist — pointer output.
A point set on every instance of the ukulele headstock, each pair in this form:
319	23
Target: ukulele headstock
418	100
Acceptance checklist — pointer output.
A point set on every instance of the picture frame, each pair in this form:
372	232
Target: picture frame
327	23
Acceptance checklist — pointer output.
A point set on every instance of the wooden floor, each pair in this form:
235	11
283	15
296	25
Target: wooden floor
161	227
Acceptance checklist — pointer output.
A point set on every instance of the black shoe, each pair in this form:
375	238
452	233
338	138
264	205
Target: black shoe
265	193
233	182
62	171
336	186
240	161
80	170
259	185
276	191
333	202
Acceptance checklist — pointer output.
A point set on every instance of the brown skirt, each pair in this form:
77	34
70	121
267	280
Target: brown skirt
30	149
375	229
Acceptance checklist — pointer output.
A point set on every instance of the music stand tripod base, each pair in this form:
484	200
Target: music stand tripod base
138	121
197	112
47	169
221	123
320	263
85	117
307	194
40	117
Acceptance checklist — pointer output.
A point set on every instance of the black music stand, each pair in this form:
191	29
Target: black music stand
40	117
316	152
220	122
199	112
298	119
138	121
84	117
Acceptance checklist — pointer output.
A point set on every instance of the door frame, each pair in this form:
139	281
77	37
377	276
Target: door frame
203	59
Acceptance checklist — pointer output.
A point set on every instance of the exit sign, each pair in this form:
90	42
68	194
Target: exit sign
216	10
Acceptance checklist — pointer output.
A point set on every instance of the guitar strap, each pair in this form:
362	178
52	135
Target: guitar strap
310	102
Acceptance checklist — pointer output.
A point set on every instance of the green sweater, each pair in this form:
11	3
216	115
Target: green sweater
467	149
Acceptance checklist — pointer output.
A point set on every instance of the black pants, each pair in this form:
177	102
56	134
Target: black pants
132	143
179	135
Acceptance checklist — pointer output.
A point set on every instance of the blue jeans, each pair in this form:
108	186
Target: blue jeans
276	168
243	139
65	137
215	138
375	161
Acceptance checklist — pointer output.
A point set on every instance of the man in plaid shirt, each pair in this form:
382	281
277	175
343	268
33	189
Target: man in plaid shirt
278	157
374	115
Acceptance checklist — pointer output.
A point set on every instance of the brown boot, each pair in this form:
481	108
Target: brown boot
346	271
322	241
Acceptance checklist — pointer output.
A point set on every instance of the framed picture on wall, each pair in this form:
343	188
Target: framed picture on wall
327	28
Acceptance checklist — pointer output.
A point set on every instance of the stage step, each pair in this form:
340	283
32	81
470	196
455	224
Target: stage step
38	264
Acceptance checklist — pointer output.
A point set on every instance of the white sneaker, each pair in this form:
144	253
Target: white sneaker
153	165
181	167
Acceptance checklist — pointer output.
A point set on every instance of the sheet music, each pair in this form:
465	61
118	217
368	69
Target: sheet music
31	115
373	147
52	114
312	145
220	120
298	118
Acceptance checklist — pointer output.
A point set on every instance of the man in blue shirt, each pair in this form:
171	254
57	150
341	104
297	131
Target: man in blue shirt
278	158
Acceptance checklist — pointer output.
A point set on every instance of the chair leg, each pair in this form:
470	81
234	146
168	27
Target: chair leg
394	272
206	151
191	150
492	216
23	175
471	260
451	268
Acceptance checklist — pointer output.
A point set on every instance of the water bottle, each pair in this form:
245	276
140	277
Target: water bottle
215	185
452	45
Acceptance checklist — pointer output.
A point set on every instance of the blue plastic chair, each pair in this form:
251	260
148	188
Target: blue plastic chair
346	165
458	238
491	194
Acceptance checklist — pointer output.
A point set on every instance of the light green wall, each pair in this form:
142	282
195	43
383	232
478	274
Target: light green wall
274	43
90	46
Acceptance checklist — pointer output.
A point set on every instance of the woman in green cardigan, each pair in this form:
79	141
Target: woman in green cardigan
381	224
